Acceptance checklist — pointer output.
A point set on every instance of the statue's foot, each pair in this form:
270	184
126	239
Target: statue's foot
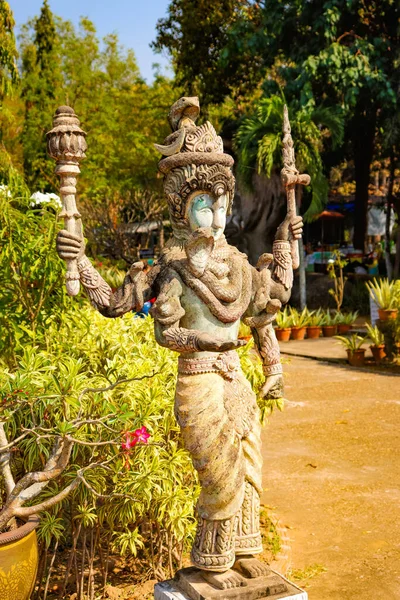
251	567
224	581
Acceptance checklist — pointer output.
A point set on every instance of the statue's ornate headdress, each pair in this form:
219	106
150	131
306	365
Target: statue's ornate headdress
194	160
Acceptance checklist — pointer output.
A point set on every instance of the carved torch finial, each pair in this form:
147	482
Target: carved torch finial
290	178
66	143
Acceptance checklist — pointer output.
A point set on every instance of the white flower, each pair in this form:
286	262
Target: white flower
39	198
4	188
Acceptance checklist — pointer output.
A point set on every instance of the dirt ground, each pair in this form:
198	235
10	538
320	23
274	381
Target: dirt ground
332	473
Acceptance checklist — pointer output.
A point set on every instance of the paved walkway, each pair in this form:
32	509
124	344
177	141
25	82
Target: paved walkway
323	348
332	473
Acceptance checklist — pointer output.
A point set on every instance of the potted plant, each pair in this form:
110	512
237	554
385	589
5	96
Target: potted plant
355	354
386	294
378	343
283	325
345	321
299	323
67	428
314	324
329	326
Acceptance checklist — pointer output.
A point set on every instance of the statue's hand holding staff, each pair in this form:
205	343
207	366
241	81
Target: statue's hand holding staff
290	229
69	246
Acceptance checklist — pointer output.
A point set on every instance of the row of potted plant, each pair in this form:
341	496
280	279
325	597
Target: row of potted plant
356	353
291	323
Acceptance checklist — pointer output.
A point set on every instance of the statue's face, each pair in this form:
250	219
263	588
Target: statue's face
205	211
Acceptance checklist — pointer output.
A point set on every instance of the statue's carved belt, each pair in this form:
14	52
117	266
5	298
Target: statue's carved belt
226	364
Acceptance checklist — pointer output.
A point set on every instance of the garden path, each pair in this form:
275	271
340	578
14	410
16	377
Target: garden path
332	474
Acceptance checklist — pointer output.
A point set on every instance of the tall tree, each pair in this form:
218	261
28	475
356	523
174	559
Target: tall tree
336	52
195	33
8	50
41	91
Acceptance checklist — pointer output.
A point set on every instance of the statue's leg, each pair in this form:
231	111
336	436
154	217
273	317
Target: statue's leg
248	538
215	446
214	545
248	541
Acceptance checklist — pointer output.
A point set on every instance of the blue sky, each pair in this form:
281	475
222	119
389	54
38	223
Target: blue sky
133	20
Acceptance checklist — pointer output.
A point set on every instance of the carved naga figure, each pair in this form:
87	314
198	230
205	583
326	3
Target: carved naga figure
204	288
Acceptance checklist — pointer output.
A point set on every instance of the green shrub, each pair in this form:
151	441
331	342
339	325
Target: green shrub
143	502
32	291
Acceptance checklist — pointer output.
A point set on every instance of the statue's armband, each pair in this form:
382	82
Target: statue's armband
283	268
98	290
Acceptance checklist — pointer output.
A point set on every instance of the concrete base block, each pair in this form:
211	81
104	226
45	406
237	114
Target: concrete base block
188	584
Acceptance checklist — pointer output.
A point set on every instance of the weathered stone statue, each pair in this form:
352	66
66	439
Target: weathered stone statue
204	288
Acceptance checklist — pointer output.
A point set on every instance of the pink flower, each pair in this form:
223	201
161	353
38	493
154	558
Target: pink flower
131	438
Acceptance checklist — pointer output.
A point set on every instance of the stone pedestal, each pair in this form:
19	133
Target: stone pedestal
188	584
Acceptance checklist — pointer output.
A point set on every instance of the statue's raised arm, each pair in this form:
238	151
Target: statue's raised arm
273	278
66	143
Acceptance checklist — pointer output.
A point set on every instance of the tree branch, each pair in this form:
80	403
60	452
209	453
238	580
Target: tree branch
5	467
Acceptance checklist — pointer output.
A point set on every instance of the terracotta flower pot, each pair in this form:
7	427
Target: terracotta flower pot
19	561
329	330
378	352
313	332
343	328
385	315
283	335
299	333
356	358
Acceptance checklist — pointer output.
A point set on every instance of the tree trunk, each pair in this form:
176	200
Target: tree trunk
396	271
389	201
363	132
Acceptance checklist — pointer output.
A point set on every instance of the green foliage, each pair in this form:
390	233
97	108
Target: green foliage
345	318
195	34
40	89
8	50
60	389
351	343
377	338
316	318
328	319
283	319
32	292
384	292
121	114
259	143
299	318
139	501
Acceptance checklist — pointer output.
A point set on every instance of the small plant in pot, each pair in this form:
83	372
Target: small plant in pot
386	294
355	353
299	323
283	325
378	343
314	324
329	326
53	439
345	321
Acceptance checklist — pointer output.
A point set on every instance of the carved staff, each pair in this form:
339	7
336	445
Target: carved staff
66	143
290	178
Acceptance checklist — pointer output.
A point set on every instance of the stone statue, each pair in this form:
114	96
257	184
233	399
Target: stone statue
204	288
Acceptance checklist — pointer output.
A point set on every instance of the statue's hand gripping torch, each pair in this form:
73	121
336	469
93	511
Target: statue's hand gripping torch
66	143
290	178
